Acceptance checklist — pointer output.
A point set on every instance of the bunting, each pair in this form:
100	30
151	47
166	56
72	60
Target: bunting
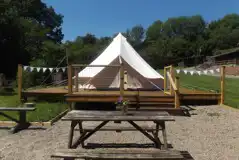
63	69
25	68
31	69
192	72
199	73
43	69
38	69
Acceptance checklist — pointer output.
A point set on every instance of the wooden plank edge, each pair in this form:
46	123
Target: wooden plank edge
171	154
58	117
35	124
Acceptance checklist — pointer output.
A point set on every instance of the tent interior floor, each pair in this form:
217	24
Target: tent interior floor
105	100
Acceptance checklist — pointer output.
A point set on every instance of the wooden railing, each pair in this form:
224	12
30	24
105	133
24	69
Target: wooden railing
222	70
172	82
174	85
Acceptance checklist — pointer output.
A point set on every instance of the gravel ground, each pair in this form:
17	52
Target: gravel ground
211	133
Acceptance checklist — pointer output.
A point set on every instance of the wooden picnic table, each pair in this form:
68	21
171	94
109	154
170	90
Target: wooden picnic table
77	117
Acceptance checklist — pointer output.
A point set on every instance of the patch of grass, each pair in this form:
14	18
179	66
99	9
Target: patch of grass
9	100
44	111
212	83
202	82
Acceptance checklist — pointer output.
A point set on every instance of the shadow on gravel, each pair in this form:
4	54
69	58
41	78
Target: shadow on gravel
31	128
122	145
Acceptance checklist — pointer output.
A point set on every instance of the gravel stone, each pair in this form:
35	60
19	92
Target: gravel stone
211	133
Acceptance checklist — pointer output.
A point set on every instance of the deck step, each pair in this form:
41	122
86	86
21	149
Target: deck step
151	104
151	107
170	110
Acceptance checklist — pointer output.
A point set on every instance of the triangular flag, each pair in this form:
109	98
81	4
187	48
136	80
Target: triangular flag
25	68
178	71
57	69
63	69
205	72
212	71
199	73
218	70
31	69
191	72
38	69
51	69
185	71
44	69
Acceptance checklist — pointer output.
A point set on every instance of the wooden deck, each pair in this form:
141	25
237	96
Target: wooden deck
186	95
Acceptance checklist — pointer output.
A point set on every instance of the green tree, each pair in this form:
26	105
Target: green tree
154	31
24	27
223	33
135	35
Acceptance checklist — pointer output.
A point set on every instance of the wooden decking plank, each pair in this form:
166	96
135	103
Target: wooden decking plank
143	155
73	115
133	96
116	113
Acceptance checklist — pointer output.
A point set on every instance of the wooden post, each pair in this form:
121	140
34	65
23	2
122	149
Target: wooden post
69	79
164	84
122	80
19	81
177	93
171	87
76	80
125	80
222	84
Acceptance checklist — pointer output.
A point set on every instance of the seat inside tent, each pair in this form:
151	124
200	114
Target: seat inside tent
140	75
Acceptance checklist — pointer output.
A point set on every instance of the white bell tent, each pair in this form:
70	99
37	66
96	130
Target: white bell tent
140	75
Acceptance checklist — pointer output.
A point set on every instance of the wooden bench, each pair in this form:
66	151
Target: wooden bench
21	122
72	154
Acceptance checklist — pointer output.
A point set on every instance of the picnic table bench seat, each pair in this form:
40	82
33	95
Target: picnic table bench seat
71	154
22	121
121	128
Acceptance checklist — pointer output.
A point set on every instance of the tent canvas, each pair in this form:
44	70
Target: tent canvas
140	73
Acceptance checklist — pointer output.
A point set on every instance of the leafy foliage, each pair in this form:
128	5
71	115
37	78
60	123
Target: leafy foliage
27	28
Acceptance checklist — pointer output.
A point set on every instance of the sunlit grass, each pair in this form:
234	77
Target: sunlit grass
44	111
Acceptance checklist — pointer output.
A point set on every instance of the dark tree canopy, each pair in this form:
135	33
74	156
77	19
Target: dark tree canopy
28	28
